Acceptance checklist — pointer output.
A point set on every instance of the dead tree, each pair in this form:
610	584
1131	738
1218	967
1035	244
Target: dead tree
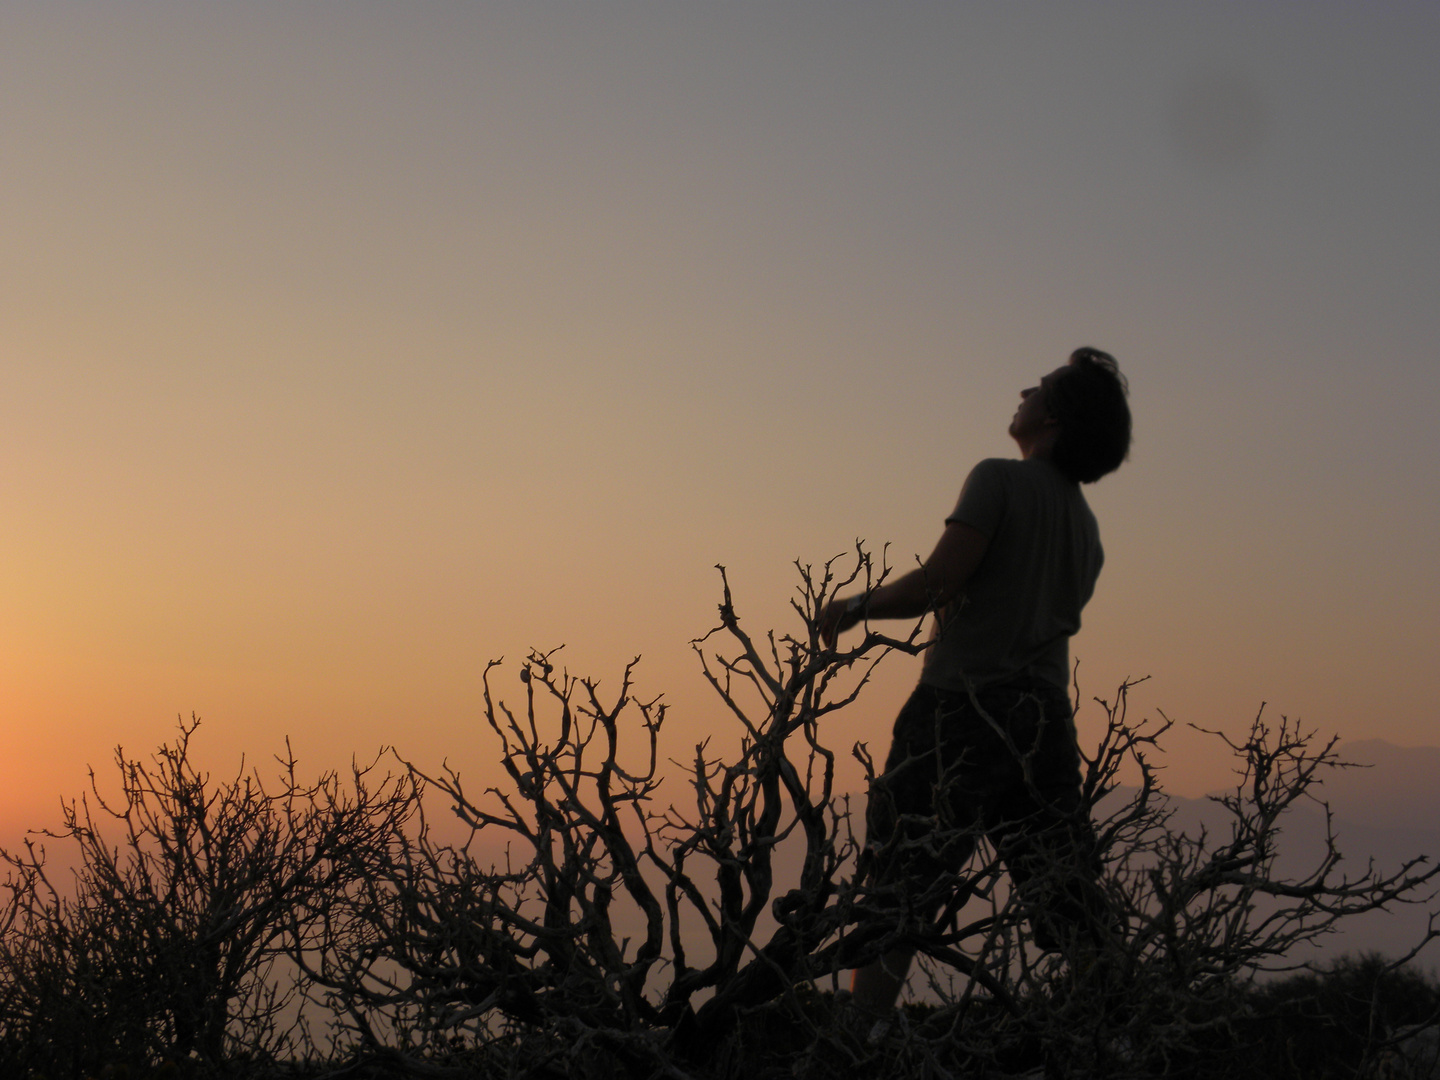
450	944
164	946
594	923
625	932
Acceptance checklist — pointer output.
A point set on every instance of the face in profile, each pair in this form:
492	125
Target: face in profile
1033	416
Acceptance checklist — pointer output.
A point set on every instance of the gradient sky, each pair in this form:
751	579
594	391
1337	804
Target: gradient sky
346	346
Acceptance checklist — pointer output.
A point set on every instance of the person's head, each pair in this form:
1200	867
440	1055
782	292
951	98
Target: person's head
1087	401
1077	417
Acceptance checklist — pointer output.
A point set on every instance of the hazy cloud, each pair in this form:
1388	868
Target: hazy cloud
1217	117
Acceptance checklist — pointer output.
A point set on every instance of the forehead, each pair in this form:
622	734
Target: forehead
1050	379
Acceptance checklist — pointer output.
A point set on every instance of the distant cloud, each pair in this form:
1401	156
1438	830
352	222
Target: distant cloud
1218	117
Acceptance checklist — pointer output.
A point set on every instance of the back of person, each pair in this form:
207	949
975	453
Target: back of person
1022	604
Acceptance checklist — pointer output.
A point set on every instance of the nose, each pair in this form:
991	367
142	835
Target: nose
1027	392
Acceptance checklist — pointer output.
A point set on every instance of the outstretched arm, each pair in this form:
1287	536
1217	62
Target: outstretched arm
932	585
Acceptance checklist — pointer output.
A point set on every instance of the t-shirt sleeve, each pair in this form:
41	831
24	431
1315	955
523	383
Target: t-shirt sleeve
982	499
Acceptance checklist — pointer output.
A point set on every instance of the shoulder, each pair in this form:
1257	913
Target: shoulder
1041	475
1000	475
993	471
1030	487
985	495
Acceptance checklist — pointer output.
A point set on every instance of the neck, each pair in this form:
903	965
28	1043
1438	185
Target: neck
1037	448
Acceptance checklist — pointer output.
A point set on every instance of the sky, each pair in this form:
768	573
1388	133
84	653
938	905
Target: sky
346	347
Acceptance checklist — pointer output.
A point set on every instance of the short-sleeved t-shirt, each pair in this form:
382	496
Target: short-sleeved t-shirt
1022	604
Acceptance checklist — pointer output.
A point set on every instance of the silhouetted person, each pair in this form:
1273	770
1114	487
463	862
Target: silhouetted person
986	743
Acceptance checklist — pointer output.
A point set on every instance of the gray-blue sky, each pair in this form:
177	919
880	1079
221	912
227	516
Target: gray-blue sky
346	345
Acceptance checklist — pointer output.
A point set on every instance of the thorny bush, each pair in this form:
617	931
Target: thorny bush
586	925
168	944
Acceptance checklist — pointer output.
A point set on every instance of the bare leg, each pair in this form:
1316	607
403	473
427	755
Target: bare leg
876	987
